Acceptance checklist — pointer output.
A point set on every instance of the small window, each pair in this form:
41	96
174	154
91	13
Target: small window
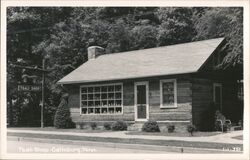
168	93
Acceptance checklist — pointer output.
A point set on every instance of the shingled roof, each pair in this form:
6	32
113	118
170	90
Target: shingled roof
167	60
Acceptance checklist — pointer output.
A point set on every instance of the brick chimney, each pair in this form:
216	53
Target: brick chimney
95	51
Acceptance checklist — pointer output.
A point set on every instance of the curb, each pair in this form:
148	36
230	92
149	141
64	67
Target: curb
174	149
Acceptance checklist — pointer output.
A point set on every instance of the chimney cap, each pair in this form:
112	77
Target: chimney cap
91	47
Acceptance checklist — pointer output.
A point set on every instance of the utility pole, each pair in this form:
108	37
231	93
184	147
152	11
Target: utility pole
43	85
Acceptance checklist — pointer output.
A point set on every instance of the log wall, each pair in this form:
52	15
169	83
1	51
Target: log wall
181	113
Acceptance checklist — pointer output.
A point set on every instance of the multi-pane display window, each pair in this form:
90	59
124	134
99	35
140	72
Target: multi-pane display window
101	99
168	93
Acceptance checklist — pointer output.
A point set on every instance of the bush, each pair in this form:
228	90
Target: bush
62	117
119	126
150	126
93	125
171	128
107	126
191	128
218	126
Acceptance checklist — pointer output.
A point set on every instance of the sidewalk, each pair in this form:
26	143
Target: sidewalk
220	138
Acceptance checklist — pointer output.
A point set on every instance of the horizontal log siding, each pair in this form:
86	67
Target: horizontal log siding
184	101
202	98
181	113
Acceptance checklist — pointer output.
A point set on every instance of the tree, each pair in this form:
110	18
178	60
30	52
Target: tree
62	117
223	22
144	37
176	25
26	28
119	40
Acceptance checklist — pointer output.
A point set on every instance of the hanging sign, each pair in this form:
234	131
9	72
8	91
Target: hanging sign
29	88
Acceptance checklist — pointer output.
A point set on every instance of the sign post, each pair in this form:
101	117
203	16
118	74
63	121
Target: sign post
35	87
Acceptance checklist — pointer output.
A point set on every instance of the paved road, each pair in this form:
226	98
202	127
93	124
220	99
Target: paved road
14	146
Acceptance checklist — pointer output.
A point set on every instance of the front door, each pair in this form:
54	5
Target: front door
218	96
141	101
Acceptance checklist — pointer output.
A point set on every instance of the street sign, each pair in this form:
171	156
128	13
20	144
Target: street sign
29	88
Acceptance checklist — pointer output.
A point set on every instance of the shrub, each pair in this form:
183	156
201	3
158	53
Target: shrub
107	126
191	128
119	126
62	117
150	126
218	126
171	128
240	123
93	125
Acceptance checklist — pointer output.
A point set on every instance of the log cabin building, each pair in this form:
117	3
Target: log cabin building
174	84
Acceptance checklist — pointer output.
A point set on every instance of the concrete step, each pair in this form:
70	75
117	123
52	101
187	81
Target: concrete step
135	127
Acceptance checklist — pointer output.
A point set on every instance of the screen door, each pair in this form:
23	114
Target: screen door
141	102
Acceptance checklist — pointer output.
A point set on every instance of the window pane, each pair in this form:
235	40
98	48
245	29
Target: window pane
118	110
97	89
118	95
90	96
84	96
104	88
84	104
118	88
111	95
141	94
110	88
84	90
168	93
97	96
84	110
90	89
111	110
98	110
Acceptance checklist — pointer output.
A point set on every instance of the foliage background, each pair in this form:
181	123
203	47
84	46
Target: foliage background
64	33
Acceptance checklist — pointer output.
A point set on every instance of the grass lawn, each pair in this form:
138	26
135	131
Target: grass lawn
174	134
238	137
59	130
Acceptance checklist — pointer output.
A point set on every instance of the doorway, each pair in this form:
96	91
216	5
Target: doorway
217	88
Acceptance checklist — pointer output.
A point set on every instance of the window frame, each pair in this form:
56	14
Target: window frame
100	85
175	93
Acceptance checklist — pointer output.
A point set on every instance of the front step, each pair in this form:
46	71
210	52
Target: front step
135	127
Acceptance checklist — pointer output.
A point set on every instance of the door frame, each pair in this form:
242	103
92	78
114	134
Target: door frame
135	100
218	85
